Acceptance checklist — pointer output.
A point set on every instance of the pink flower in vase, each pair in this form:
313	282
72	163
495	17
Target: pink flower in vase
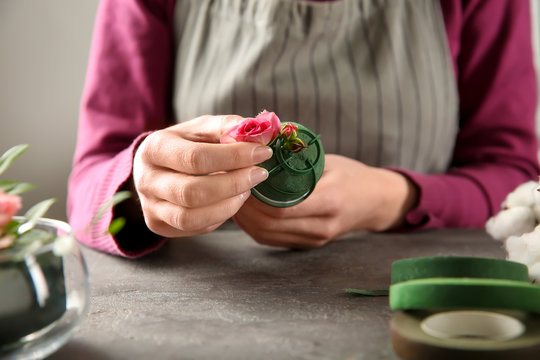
9	205
262	129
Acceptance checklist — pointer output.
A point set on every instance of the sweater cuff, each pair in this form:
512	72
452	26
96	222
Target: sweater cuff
444	201
118	174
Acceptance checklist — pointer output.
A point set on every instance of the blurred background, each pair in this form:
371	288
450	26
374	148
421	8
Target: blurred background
43	55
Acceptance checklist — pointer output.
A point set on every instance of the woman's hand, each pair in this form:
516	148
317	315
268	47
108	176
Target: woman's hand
349	196
188	183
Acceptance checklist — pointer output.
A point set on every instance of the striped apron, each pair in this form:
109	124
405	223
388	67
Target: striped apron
373	77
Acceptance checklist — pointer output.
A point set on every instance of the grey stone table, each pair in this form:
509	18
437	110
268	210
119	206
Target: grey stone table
222	296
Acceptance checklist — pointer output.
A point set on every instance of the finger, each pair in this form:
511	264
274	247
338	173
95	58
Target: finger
165	230
170	151
314	227
200	191
207	128
281	239
193	220
316	205
290	241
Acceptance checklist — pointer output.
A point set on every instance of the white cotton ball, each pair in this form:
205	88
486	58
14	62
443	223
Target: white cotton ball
536	210
536	195
532	242
523	195
516	248
534	273
525	248
512	221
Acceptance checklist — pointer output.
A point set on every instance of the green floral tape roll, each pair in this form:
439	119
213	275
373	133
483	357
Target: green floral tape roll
410	342
465	293
457	267
431	289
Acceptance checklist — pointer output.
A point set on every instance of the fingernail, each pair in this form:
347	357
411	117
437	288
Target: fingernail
257	176
261	153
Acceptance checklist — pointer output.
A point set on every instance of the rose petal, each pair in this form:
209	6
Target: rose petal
9	205
273	119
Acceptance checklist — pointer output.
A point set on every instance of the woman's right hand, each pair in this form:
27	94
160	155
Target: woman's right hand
188	183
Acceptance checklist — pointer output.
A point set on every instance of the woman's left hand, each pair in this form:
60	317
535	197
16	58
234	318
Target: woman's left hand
349	196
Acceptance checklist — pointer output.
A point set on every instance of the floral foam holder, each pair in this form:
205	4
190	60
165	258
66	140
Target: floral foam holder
297	162
292	175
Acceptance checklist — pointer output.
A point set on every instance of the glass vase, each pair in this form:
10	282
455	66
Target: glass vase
44	296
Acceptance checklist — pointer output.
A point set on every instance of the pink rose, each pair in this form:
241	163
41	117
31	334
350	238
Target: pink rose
261	129
9	205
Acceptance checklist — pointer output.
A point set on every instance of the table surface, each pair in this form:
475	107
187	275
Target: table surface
223	296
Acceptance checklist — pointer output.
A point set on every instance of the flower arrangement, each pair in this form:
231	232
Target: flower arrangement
43	277
297	162
265	129
19	235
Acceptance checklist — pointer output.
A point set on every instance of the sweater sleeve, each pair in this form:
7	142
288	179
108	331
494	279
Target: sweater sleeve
496	148
125	96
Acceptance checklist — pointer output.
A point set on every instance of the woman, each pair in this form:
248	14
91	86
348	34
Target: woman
425	108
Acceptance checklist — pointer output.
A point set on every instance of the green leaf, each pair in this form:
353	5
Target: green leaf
117	198
37	211
8	185
10	156
11	227
116	225
30	241
23	251
368	292
34	235
21	188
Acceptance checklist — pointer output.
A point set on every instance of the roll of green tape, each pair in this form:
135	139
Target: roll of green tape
456	267
410	342
465	293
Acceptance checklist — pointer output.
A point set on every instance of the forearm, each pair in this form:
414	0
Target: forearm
125	95
496	148
92	183
463	197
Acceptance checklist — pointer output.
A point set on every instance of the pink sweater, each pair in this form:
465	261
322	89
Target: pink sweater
126	95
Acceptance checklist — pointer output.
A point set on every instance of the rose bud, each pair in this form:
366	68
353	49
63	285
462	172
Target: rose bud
288	131
295	145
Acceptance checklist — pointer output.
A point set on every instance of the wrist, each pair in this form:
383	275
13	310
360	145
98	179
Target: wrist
399	195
